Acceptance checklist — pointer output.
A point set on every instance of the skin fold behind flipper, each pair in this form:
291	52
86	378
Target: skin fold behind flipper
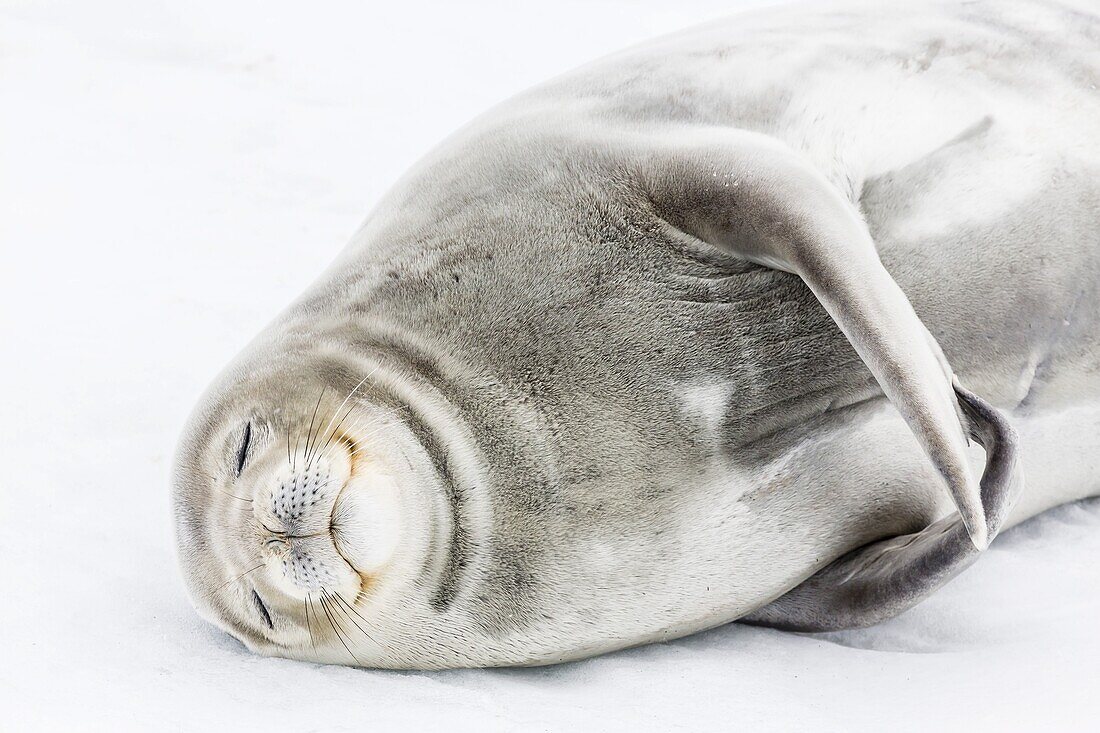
880	580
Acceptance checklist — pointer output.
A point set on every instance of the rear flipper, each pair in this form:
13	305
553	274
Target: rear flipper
880	580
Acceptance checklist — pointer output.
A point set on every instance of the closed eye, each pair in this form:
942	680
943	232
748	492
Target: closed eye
264	613
242	452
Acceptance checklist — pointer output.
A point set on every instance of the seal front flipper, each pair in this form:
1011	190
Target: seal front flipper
752	195
882	579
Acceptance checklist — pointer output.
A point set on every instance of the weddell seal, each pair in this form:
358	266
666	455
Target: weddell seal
709	330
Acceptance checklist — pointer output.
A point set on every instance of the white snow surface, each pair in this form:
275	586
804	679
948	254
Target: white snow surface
172	175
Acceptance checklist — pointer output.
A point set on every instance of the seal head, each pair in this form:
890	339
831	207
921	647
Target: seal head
291	521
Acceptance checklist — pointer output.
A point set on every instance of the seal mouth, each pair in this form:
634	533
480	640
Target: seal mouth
356	461
365	519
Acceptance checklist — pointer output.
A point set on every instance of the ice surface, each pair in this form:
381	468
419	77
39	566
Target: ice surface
173	174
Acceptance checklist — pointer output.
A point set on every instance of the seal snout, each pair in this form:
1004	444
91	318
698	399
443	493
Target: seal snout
301	497
294	511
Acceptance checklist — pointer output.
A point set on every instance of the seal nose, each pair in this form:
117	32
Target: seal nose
294	500
301	496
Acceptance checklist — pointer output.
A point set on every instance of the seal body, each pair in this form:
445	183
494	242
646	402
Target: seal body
586	427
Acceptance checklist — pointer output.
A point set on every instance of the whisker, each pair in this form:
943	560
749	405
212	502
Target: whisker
234	580
334	605
405	455
324	448
309	599
326	452
362	381
340	600
310	431
332	623
309	625
294	461
366	436
238	498
333	445
371	433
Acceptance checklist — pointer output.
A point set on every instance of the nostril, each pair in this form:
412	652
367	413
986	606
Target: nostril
277	545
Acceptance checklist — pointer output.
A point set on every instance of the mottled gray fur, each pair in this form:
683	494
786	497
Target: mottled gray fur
530	279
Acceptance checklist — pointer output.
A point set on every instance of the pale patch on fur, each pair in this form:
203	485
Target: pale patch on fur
704	400
1027	376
